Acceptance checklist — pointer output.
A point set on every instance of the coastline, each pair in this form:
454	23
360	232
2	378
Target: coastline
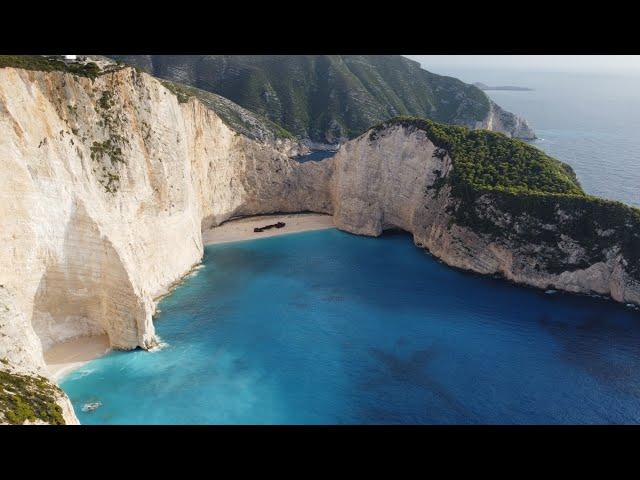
242	228
65	357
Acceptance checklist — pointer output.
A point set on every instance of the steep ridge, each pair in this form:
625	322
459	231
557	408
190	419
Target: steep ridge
113	178
328	99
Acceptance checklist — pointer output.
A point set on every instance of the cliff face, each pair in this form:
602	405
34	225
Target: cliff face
110	181
499	120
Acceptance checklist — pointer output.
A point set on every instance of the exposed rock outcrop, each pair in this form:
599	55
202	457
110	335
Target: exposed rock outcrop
499	120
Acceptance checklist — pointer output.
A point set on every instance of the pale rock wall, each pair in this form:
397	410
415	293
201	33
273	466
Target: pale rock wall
499	120
383	184
104	197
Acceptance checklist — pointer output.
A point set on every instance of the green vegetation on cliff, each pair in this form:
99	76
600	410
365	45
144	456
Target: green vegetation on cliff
234	116
491	161
515	193
324	97
23	397
48	64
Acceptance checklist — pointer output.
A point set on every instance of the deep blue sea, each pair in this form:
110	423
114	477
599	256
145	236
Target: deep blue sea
590	121
328	327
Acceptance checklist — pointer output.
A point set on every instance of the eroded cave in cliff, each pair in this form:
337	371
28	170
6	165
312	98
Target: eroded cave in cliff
86	290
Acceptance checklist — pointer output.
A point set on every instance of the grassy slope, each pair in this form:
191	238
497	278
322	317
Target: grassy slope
324	97
24	397
535	191
48	64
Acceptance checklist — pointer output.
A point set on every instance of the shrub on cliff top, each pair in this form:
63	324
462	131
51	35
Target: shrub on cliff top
48	64
485	160
23	397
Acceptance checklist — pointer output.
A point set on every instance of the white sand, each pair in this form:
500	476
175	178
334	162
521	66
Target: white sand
65	357
242	229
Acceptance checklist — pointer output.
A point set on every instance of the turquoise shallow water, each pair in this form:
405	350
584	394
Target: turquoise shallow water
327	327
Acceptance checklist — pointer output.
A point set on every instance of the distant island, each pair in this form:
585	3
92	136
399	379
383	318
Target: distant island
482	86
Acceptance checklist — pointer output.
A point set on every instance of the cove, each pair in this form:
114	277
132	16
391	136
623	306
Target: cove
327	327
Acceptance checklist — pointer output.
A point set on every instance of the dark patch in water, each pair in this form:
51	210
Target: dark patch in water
411	372
588	343
301	305
334	298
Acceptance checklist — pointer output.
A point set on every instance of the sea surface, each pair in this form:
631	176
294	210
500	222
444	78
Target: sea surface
590	121
327	327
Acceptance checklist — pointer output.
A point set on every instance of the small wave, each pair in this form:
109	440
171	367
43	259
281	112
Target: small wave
159	346
550	291
632	306
91	406
194	271
85	371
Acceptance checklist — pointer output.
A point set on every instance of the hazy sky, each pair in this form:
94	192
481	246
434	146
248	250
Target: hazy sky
547	63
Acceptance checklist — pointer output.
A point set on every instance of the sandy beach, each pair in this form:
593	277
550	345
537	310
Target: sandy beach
64	357
242	228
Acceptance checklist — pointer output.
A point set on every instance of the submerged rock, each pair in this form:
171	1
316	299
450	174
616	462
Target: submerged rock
90	407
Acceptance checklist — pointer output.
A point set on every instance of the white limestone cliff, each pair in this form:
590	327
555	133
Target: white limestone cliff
499	120
106	188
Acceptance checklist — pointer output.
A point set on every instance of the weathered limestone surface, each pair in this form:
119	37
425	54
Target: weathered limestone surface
105	190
